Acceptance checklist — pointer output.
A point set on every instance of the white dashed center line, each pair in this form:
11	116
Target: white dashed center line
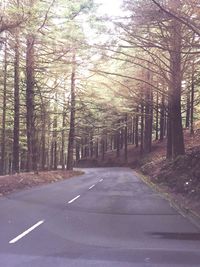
101	180
91	186
74	199
26	232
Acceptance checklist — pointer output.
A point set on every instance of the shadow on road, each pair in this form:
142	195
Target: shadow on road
178	236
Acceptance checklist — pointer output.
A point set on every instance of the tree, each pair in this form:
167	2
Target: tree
71	137
16	152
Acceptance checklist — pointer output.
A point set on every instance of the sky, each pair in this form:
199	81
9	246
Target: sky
110	7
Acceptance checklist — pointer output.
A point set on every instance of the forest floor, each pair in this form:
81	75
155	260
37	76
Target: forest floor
12	183
179	180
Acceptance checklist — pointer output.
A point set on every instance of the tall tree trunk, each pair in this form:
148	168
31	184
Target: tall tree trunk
188	106
63	138
176	79
82	147
169	152
169	138
16	108
77	150
133	130
142	129
162	118
91	145
118	140
3	137
71	137
137	127
30	105
121	137
157	116
148	122
102	149
126	138
97	148
192	103
43	141
55	125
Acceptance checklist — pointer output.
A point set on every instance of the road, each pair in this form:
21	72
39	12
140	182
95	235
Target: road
105	218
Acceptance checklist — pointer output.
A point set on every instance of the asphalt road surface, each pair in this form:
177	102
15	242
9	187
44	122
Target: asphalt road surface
106	217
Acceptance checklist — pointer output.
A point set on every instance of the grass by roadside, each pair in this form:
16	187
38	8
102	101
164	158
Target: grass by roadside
12	183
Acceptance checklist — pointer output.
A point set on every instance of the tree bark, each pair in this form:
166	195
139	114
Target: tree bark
142	129
43	139
32	156
63	139
71	137
136	127
118	140
192	103
55	145
176	80
102	149
126	138
16	108
3	138
157	116
148	121
162	119
97	148
188	105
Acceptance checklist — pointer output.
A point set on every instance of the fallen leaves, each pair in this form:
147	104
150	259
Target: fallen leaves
11	183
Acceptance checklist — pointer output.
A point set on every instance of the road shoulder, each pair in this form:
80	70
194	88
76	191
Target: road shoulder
175	201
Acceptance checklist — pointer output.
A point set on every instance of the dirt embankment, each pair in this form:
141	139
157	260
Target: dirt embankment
11	183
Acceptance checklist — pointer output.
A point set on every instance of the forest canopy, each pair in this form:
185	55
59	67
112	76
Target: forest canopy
76	83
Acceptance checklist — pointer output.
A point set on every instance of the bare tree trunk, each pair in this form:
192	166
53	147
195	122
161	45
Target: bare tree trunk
192	103
188	106
133	130
102	149
162	118
97	148
118	139
3	138
43	139
71	137
91	144
148	122
136	127
157	115
63	139
55	124
169	138
16	108
176	79
77	150
30	105
142	129
126	138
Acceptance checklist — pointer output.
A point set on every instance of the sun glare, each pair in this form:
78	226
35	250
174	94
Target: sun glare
111	8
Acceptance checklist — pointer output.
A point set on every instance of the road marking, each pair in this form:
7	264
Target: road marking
91	186
101	180
26	232
73	199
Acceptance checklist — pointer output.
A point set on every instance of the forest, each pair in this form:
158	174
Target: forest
77	84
